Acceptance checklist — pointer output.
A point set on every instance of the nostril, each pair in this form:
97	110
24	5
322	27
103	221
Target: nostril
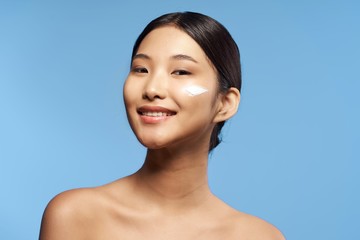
154	93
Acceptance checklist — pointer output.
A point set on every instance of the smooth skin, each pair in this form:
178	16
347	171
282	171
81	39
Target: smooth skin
169	197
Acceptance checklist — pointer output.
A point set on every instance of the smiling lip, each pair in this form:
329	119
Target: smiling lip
154	114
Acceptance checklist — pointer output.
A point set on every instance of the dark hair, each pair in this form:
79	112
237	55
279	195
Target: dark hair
215	41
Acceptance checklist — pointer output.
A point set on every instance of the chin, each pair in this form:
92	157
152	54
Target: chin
151	144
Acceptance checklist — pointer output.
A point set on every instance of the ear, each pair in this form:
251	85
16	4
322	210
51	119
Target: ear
228	105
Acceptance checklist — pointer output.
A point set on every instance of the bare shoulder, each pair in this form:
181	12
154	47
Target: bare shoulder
67	211
79	213
70	202
255	228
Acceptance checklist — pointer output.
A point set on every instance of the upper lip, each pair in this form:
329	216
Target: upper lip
147	108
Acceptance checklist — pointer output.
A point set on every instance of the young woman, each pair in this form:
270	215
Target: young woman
184	83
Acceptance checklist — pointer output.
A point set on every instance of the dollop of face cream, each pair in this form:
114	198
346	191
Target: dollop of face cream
194	90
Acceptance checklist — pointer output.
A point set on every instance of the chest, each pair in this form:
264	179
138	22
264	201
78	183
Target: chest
130	229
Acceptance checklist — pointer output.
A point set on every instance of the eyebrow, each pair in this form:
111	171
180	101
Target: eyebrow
141	56
175	57
184	57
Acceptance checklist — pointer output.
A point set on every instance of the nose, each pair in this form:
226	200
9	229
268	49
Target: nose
155	87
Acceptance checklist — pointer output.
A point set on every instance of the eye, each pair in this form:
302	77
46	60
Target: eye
139	70
181	72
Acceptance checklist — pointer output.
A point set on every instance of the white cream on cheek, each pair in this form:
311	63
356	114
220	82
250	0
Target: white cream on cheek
194	90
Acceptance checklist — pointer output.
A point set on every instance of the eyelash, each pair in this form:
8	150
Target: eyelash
139	70
181	72
176	72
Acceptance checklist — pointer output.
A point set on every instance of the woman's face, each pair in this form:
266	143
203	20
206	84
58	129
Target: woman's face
171	92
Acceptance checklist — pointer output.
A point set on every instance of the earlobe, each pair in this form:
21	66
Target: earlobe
228	106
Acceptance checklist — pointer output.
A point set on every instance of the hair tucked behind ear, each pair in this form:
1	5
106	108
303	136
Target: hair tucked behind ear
215	138
215	41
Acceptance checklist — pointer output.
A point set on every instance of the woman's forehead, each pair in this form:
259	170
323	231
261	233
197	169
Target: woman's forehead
170	41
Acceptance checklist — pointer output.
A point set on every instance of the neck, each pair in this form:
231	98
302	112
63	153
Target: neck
172	179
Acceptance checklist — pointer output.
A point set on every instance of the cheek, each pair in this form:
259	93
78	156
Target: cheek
197	96
194	90
128	91
192	93
200	97
129	101
198	93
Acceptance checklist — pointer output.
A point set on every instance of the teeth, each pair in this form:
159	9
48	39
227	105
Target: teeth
156	114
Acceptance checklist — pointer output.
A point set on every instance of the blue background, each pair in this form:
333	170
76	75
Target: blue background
290	155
